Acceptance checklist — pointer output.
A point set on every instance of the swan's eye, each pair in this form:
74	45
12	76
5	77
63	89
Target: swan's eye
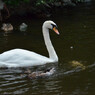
55	29
54	26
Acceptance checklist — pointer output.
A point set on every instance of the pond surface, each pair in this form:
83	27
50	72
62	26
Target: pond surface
76	44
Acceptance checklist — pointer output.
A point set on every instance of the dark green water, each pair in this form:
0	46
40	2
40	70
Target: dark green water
75	43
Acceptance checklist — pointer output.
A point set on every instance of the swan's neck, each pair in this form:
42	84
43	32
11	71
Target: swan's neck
49	46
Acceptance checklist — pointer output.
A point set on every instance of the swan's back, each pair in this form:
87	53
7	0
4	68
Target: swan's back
22	58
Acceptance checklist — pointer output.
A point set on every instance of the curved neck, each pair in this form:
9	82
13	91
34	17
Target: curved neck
49	46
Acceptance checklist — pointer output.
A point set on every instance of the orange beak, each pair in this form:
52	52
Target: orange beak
55	30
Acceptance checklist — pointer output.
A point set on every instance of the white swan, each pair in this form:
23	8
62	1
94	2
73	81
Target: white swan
24	58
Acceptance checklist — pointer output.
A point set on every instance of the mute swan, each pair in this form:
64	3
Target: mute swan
24	58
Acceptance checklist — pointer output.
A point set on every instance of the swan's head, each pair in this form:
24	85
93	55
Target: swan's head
50	25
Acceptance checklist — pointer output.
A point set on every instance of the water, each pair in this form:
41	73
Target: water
76	44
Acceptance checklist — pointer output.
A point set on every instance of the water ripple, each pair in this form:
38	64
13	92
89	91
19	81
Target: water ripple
11	82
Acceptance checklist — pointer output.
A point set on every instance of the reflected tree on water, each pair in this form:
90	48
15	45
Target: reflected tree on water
3	7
